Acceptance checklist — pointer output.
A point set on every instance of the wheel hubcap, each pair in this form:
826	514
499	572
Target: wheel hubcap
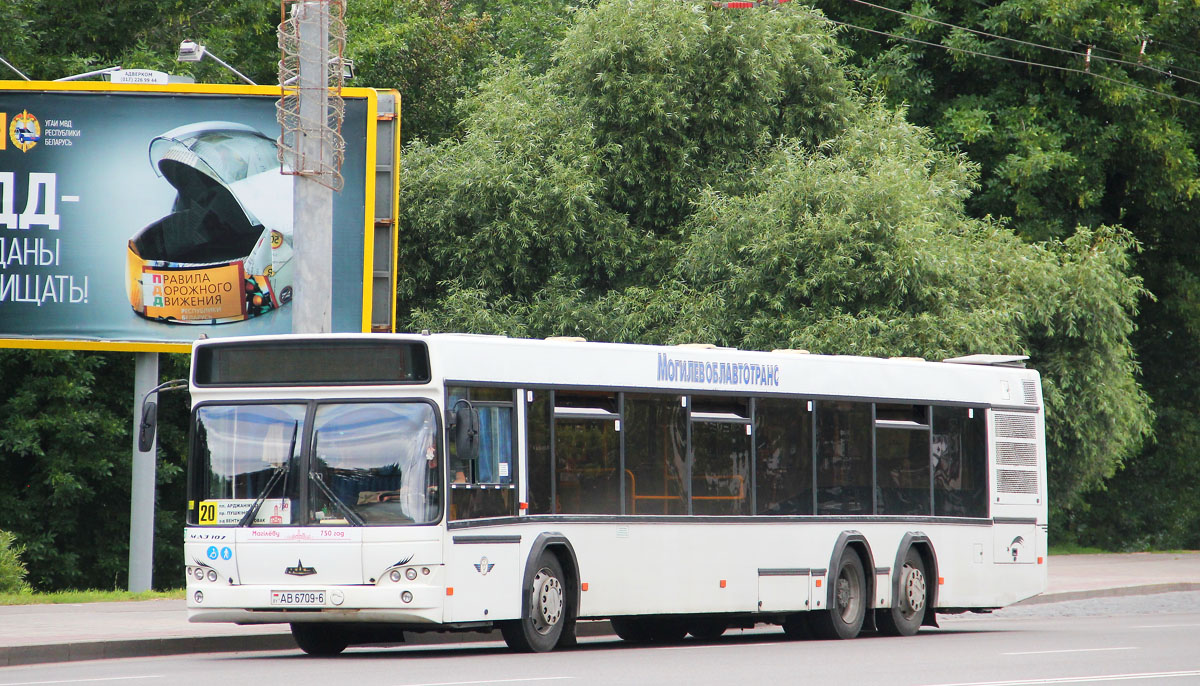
847	596
914	590
547	601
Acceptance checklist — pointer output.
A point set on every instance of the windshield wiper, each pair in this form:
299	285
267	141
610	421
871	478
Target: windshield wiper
351	515
280	472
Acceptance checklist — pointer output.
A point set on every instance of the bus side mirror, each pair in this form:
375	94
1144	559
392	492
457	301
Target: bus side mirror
148	426
466	432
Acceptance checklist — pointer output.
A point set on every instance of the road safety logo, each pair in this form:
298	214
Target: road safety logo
25	131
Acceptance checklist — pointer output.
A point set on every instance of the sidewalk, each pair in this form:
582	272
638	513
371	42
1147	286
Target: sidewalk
58	633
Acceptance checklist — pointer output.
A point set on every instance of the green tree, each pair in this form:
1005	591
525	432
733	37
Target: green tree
50	39
684	174
65	453
1105	140
423	49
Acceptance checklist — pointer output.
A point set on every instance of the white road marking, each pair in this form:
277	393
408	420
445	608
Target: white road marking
492	681
81	681
1073	650
1164	626
1080	679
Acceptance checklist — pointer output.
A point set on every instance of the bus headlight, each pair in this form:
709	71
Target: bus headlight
406	596
395	575
212	575
410	574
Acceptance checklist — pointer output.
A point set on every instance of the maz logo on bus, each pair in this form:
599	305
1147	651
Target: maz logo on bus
300	570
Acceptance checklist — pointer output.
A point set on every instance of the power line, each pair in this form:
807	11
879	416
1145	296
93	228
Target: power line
1017	61
1085	56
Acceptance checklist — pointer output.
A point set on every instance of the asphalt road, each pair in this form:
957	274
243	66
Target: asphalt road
1147	639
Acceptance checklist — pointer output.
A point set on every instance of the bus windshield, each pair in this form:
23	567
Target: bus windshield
366	463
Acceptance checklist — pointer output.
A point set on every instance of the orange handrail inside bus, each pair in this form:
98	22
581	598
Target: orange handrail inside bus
634	497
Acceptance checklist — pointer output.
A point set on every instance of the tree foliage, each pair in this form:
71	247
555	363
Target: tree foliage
65	455
715	177
1109	139
12	569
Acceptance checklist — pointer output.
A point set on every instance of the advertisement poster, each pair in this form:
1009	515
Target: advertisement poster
154	216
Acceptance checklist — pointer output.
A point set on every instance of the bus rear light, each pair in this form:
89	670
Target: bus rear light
1040	559
449	590
722	583
941	580
819	583
583	586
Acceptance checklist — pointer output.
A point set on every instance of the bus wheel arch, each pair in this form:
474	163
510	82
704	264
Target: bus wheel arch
914	542
552	567
850	591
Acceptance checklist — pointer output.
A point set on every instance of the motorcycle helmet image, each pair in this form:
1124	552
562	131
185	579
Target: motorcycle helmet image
224	253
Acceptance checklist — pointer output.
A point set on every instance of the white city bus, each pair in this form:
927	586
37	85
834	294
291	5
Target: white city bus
362	486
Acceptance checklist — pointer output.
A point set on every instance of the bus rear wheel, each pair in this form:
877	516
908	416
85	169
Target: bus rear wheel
905	616
321	640
844	617
544	606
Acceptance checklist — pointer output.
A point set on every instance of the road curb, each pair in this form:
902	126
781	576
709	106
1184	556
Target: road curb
1118	592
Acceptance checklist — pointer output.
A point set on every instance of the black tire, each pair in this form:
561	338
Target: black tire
707	628
544	607
632	629
650	629
322	640
907	613
844	617
796	626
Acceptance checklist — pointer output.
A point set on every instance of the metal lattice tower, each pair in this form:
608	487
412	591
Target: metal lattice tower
310	110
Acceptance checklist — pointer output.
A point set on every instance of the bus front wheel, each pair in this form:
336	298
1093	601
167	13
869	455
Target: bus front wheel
544	607
848	606
319	639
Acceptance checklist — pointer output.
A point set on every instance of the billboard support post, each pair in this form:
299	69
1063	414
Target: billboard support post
312	215
141	507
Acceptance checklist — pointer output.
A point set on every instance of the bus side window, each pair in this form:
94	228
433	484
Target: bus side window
784	474
655	436
959	461
538	417
844	437
485	486
587	452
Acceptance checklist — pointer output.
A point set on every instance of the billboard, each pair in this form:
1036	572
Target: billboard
137	217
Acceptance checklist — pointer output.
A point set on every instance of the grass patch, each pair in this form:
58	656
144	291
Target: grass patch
1076	549
90	596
